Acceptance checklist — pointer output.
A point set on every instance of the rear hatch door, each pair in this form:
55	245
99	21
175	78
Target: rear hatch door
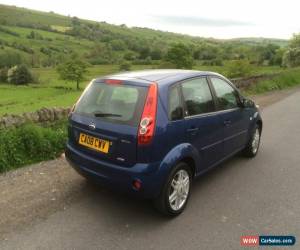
104	123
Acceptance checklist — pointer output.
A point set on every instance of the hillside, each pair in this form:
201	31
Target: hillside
42	39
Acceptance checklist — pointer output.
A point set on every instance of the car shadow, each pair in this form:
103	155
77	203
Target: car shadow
119	209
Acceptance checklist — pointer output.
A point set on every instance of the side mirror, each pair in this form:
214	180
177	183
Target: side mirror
248	103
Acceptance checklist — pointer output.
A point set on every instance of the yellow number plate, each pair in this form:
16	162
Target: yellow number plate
94	143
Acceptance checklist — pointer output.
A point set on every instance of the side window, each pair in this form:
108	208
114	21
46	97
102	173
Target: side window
226	95
197	97
175	107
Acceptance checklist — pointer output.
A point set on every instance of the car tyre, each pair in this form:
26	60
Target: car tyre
252	146
176	191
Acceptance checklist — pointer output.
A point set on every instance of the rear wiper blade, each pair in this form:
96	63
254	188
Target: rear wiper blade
106	115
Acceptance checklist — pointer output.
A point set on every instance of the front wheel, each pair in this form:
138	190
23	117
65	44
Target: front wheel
253	144
176	191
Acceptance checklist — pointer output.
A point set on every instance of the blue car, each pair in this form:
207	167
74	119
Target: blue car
151	133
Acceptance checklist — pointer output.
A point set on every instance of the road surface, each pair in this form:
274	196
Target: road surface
260	196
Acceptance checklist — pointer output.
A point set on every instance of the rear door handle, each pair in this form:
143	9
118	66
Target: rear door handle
227	122
192	130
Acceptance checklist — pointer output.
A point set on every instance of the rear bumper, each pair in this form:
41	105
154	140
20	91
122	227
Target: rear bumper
115	176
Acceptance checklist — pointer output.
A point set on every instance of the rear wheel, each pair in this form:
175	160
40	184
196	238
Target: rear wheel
176	191
253	144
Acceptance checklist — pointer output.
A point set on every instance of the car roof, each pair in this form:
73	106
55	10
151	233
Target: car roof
160	76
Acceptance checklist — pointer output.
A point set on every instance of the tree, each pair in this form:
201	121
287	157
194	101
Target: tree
291	57
19	75
73	69
180	55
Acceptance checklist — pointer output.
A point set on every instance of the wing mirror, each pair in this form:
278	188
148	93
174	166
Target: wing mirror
248	103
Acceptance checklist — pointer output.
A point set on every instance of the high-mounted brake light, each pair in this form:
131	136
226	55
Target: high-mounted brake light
113	81
148	120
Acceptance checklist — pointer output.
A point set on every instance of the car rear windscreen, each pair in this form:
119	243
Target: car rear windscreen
116	103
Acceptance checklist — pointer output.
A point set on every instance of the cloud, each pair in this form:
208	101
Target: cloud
200	21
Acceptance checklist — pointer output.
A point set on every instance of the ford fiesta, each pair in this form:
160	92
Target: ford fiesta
151	133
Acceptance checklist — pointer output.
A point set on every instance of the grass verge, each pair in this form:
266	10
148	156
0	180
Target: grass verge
31	143
285	79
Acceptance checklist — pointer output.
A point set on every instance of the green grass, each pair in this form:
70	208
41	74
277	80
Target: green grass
50	92
31	143
286	79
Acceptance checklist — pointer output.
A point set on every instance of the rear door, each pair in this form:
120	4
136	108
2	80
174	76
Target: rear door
203	127
234	117
105	121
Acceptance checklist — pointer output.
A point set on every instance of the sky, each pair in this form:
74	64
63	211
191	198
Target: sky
210	18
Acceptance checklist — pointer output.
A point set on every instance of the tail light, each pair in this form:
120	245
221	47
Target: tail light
148	120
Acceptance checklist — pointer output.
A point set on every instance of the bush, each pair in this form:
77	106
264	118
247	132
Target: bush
180	55
239	68
125	66
19	75
291	57
31	143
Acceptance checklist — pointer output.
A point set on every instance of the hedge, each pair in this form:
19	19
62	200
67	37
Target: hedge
31	143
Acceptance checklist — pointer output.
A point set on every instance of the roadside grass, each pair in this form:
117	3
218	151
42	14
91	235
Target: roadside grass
31	143
286	79
255	70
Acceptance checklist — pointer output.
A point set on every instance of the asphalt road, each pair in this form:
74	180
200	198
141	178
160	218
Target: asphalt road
260	196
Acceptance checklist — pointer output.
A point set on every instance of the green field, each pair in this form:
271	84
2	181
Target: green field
53	92
49	92
43	40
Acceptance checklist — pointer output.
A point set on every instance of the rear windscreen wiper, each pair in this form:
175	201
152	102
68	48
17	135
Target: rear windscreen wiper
106	115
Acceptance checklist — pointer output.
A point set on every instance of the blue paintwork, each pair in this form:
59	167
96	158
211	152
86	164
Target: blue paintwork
211	144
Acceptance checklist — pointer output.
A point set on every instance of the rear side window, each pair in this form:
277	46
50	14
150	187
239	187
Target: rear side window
175	106
114	103
197	97
226	95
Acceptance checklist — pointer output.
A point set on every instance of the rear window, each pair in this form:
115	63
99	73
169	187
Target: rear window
113	103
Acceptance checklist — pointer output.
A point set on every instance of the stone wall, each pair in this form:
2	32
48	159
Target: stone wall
43	115
245	82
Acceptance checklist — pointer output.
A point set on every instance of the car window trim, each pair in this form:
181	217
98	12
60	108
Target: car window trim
210	89
237	92
211	113
176	85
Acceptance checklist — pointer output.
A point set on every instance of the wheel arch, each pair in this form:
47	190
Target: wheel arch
181	153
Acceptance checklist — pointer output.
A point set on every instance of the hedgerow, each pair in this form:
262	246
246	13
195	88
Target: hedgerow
31	143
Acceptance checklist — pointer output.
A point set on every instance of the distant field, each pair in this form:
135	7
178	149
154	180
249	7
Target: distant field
54	92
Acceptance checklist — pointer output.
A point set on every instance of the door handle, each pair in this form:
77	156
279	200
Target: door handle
192	130
227	122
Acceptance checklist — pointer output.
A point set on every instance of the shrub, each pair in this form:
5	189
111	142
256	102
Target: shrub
180	55
125	66
19	75
291	57
31	143
239	68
